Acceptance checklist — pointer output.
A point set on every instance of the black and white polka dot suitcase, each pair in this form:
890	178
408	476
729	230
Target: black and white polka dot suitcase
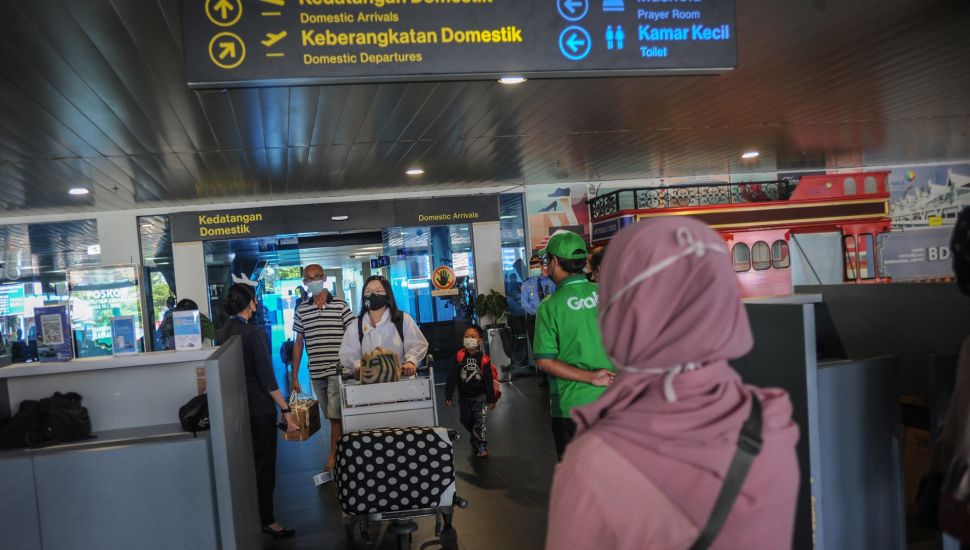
390	472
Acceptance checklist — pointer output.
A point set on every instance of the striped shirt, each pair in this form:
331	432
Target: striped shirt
322	330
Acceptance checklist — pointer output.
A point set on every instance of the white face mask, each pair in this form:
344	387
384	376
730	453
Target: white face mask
316	287
471	343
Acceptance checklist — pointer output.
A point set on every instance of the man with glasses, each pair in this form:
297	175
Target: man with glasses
320	323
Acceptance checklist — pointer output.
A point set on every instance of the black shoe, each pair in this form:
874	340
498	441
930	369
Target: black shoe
281	534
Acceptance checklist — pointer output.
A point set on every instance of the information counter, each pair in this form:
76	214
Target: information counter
847	410
141	482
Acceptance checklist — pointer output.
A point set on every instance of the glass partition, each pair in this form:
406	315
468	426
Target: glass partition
96	295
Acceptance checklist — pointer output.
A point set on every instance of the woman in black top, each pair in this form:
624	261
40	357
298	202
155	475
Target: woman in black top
264	396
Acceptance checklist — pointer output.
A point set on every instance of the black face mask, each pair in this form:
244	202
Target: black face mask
374	302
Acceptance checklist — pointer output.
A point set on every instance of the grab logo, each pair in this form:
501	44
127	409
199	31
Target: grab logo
577	304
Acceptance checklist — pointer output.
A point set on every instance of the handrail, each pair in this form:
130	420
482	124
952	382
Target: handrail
693	194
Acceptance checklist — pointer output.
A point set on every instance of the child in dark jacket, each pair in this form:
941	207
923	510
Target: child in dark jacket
476	393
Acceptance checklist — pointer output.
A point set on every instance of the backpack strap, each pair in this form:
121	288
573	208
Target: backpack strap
749	446
399	324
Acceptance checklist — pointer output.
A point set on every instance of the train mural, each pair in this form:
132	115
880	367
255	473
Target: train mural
757	220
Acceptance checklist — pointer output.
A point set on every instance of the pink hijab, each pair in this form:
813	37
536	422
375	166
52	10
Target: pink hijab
671	317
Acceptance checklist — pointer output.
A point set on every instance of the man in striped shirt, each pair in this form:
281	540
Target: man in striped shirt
320	323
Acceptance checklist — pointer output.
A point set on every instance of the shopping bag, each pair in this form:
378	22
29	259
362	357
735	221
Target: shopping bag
380	365
307	415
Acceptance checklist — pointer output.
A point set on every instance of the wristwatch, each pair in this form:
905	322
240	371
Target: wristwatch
286	410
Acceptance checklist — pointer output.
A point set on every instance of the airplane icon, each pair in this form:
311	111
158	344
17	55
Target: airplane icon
273	38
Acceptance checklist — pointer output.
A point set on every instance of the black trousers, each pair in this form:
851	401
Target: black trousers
563	431
264	451
473	414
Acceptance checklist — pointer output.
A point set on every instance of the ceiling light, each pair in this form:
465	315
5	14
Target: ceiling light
414	171
78	191
750	155
339	218
510	80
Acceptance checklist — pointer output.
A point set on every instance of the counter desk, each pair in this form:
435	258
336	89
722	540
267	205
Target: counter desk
140	481
848	414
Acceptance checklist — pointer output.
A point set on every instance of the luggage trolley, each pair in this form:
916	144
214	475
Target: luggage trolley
380	410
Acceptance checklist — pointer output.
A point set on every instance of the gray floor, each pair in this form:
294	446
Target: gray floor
508	492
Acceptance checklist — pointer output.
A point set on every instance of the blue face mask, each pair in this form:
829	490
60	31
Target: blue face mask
316	287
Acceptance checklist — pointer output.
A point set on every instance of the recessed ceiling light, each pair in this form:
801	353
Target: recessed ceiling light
414	171
339	218
510	80
78	191
750	155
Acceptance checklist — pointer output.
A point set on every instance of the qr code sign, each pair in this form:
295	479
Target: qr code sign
50	330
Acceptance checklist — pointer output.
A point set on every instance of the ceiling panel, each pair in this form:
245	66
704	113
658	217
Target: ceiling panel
92	93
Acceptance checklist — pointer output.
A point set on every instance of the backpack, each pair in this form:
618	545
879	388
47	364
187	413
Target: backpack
286	352
398	323
194	415
59	418
66	420
496	386
14	432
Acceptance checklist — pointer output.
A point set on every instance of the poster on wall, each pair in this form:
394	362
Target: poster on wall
928	196
555	207
54	342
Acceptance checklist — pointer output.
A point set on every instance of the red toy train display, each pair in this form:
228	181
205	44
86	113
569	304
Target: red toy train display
757	221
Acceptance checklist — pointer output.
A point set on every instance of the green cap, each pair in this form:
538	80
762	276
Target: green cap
566	245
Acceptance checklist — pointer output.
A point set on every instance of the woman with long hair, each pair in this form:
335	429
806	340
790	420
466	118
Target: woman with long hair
382	324
652	453
264	397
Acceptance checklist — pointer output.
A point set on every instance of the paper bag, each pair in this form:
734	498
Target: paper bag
307	415
380	365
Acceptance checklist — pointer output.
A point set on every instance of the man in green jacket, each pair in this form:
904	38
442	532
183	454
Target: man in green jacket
568	345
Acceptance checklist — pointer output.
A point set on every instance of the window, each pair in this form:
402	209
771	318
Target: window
850	258
870	185
848	186
761	256
742	257
779	255
867	257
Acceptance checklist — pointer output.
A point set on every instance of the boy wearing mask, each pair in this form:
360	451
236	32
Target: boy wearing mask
472	375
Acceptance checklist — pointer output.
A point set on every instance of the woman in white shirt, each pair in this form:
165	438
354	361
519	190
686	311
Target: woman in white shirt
382	324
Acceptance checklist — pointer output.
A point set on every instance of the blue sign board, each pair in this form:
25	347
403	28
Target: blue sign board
11	299
604	231
124	339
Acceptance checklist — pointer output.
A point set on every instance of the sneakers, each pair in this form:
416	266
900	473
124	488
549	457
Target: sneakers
482	453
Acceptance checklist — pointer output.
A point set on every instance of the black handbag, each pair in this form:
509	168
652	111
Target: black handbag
194	415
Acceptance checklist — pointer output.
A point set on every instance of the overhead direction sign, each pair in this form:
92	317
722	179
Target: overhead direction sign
285	42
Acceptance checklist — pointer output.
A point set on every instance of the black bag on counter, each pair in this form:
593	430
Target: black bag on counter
194	415
56	419
14	432
66	420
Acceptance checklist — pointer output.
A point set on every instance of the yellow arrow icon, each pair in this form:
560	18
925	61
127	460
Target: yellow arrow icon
224	13
227	50
225	6
273	38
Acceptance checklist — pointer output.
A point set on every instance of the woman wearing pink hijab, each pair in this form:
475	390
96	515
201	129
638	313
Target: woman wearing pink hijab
651	455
